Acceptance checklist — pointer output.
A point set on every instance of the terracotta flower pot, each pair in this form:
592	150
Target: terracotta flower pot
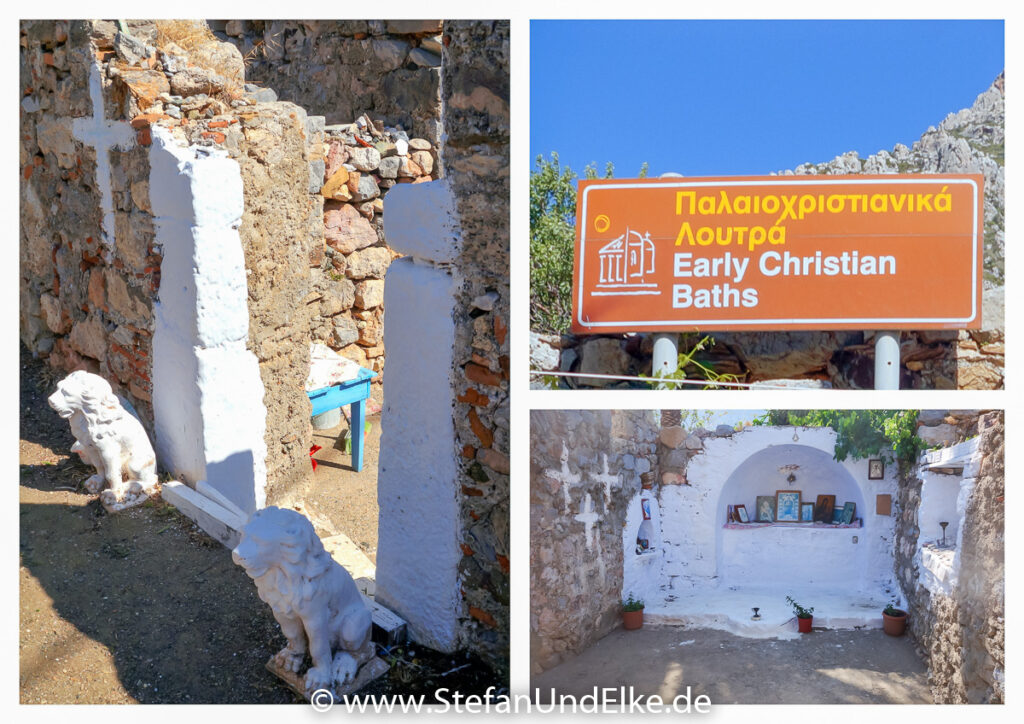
894	625
803	625
632	620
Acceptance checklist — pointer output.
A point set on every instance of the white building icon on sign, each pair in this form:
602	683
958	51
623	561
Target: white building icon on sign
624	263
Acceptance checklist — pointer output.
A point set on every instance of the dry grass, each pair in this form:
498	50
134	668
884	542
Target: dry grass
203	49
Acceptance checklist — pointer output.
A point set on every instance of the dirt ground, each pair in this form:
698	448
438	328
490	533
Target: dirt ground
341	495
143	606
823	667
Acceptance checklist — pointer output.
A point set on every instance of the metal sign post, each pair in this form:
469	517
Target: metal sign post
665	357
887	360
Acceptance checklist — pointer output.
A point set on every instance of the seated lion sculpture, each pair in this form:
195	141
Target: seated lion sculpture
108	437
313	598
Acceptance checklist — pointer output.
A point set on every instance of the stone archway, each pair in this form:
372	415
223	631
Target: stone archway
799	556
712	573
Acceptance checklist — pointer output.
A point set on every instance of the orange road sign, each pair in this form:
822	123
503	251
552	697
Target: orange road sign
778	253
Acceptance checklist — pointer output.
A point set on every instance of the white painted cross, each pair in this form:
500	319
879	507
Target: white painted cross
608	480
589	517
564	476
103	135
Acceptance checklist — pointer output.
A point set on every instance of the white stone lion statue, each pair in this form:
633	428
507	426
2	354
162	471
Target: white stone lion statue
108	437
313	598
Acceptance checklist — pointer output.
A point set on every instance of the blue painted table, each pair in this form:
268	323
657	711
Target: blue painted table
354	392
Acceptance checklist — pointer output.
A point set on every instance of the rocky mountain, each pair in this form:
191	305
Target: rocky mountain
968	141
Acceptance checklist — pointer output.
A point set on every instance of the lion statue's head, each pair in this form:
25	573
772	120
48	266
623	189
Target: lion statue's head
89	394
281	544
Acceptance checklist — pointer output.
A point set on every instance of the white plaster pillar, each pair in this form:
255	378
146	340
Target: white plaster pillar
207	393
418	478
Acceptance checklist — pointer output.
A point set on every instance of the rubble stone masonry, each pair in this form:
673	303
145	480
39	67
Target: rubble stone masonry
475	159
584	469
89	270
962	634
341	69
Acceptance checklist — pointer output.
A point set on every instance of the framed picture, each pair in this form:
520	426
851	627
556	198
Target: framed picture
741	513
848	510
807	512
823	508
645	508
787	506
876	469
765	512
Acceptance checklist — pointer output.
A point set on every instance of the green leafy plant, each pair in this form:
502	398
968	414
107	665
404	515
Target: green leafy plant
552	241
689	366
632	604
891	610
888	434
799	610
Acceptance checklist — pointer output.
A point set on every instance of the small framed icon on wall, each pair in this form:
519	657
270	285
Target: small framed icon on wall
876	469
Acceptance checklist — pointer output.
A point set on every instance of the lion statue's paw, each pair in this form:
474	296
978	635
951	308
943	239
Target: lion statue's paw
288	660
344	668
318	678
95	484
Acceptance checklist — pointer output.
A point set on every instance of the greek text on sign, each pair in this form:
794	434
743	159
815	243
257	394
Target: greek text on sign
778	252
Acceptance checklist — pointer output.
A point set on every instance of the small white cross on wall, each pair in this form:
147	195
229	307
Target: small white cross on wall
589	517
607	479
103	135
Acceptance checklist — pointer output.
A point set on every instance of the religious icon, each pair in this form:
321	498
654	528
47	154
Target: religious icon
787	506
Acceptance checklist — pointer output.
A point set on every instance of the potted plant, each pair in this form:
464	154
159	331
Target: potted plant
632	613
804	616
894	620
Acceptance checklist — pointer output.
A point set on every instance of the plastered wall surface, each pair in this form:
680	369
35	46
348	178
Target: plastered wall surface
207	394
416	485
735	469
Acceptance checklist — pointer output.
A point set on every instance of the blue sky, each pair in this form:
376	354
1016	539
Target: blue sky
747	97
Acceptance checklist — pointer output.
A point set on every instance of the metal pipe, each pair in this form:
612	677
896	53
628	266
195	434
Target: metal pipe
887	360
665	360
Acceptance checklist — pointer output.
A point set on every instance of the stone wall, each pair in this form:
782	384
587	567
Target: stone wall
375	83
931	359
89	269
362	162
585	468
959	626
982	584
275	144
341	69
91	265
475	159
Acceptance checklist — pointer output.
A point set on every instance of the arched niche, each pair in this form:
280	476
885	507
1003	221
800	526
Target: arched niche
790	555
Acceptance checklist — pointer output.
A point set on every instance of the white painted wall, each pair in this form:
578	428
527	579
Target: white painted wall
700	553
642	574
421	221
207	393
417	482
944	496
939	494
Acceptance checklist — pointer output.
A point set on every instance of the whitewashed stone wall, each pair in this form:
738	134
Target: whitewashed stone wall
207	394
